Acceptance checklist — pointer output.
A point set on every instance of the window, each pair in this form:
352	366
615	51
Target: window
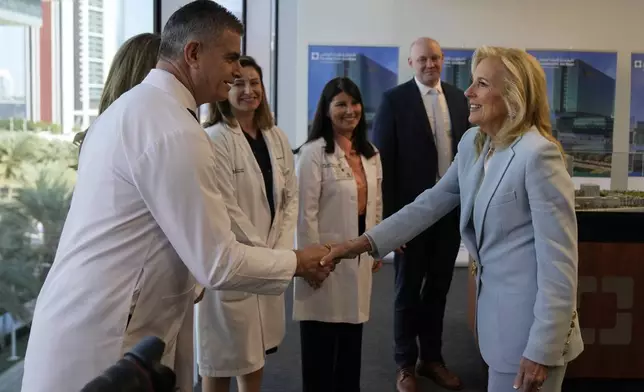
78	120
53	63
95	22
94	97
95	72
95	47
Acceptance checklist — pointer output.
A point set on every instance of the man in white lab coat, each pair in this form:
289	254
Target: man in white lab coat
147	219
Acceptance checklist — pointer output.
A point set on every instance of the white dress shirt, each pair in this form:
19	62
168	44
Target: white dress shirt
438	115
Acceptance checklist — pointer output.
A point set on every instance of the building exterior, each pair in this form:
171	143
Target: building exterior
66	50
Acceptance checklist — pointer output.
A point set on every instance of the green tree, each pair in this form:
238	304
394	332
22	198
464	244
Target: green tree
26	252
18	280
45	199
18	285
15	150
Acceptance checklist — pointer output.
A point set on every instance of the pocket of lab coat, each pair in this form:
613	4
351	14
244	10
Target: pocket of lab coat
232	296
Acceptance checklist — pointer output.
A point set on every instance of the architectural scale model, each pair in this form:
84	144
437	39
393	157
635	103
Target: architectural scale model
590	197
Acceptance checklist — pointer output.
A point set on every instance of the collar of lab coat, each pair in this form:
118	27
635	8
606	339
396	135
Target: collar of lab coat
237	129
167	82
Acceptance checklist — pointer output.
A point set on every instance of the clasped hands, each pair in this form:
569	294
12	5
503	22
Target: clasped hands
316	262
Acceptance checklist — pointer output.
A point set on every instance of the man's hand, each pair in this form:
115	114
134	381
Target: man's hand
346	250
531	376
309	265
377	264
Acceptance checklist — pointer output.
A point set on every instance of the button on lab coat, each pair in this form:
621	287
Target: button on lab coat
237	327
328	212
146	216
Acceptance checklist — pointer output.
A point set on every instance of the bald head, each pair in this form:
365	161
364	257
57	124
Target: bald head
424	42
426	58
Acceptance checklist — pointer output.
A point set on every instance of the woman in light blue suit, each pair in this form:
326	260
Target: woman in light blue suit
517	221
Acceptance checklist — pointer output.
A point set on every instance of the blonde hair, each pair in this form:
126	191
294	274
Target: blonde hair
131	64
222	111
524	93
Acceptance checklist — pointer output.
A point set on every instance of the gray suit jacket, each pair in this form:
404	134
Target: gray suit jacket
520	227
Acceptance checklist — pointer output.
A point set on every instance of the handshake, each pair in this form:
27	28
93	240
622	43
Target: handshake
316	262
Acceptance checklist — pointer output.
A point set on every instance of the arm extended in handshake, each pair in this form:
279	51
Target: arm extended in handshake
404	225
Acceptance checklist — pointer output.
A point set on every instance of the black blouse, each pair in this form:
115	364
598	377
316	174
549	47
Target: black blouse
263	158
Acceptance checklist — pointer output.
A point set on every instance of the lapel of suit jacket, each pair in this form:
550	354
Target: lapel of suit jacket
496	170
417	107
473	181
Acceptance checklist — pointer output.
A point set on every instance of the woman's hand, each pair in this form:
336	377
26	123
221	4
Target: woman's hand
531	376
376	265
346	250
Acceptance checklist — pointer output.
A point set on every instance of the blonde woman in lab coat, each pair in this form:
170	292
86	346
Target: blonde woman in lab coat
256	178
340	176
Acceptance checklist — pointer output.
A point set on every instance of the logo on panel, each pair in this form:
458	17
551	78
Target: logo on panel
614	292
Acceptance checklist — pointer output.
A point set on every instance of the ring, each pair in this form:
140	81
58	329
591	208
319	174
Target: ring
328	246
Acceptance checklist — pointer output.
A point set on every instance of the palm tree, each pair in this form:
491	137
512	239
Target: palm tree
43	200
18	285
18	282
16	148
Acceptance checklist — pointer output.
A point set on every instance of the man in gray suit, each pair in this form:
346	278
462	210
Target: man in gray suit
517	221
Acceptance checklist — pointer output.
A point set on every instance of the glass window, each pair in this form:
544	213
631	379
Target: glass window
95	21
95	72
55	57
95	47
94	97
273	64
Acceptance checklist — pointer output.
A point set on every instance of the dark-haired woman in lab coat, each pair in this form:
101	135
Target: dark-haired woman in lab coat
339	175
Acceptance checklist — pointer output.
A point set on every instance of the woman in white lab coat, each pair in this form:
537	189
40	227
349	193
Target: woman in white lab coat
339	174
256	177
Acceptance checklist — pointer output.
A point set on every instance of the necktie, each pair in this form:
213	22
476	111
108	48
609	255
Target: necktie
443	146
193	114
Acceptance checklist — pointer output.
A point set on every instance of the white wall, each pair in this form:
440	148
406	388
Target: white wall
545	24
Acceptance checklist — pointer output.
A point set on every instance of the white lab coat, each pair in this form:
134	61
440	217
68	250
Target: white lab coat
146	217
236	327
328	213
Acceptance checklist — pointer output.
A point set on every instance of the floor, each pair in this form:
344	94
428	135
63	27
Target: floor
11	380
282	373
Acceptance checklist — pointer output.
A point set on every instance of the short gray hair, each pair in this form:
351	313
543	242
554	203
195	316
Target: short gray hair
201	20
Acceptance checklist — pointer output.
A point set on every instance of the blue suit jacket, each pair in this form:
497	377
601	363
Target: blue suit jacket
403	135
520	227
